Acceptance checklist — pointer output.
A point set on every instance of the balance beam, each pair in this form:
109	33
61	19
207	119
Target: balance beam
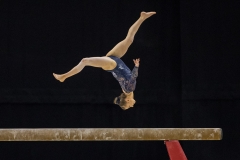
109	134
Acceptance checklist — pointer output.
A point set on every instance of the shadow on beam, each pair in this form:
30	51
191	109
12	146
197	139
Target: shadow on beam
110	134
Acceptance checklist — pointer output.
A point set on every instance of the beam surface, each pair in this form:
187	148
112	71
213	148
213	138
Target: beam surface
109	134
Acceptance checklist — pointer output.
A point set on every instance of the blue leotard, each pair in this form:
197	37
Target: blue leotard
125	77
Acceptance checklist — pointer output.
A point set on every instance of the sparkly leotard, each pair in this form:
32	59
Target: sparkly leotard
125	77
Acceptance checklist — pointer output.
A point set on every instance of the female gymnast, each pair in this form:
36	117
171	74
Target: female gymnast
112	63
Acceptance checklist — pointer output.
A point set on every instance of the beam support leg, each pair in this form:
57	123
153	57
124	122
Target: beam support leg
175	150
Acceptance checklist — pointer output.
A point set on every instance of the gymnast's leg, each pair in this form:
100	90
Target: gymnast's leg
105	63
121	48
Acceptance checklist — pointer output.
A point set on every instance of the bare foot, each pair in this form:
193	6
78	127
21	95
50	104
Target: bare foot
146	15
59	77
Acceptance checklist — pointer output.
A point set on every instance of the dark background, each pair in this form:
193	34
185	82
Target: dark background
188	76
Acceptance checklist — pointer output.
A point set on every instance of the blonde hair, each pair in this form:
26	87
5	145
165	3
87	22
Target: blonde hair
120	100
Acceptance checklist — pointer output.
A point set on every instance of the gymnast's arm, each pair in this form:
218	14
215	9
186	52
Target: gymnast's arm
134	73
135	69
132	81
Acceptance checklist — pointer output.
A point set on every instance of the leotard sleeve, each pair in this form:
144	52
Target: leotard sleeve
134	73
132	81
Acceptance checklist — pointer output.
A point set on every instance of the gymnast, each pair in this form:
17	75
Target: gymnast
112	63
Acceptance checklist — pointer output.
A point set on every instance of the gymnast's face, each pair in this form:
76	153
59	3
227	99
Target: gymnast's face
130	102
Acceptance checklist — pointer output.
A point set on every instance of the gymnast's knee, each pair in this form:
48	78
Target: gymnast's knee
85	60
129	40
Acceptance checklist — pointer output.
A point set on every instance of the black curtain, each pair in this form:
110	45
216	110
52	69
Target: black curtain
210	81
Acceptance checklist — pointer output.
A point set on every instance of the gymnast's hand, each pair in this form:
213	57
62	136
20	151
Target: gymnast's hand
136	62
